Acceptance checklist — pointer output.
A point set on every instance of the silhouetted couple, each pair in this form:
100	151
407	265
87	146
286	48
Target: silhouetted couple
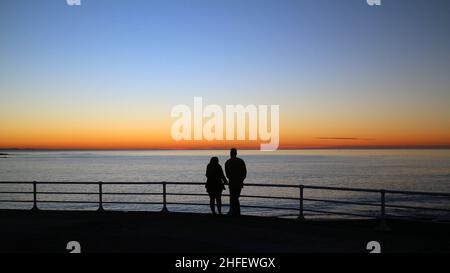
236	173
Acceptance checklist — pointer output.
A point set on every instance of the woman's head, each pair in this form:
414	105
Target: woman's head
214	160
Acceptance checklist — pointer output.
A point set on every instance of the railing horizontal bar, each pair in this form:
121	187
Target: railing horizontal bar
131	193
268	197
186	183
16	192
242	206
416	208
132	203
271	185
16	201
191	204
189	194
66	193
132	183
269	207
18	182
341	189
415	218
242	196
340	213
341	202
288	215
65	183
419	193
81	183
246	184
67	202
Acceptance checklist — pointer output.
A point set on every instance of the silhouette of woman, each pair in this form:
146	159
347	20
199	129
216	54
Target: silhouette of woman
215	184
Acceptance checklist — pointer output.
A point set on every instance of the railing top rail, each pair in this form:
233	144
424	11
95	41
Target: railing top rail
15	182
246	184
341	189
133	183
48	183
419	193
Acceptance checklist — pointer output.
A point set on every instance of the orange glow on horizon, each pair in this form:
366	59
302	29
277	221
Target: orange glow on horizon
135	131
111	139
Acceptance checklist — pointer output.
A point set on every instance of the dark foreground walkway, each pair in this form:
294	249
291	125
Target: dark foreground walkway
24	231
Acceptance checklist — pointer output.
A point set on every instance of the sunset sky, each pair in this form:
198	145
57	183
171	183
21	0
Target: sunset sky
106	74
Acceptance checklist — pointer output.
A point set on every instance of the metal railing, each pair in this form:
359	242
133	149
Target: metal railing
380	207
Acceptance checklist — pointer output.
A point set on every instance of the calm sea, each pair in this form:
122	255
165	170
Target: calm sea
414	170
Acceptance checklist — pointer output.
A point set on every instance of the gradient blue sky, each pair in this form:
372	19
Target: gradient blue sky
337	68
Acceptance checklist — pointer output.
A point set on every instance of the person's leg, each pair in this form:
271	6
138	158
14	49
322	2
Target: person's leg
238	204
211	204
233	203
230	212
219	203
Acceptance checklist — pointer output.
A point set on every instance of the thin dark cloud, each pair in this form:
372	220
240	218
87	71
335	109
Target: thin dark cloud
344	138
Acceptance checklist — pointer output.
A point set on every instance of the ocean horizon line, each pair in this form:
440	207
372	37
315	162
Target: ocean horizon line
439	147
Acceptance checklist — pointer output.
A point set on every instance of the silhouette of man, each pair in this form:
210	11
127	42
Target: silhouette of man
236	172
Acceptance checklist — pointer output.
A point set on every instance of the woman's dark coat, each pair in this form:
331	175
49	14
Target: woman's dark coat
215	183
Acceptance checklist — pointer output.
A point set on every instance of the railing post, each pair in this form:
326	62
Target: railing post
382	226
301	216
164	209
35	207
100	196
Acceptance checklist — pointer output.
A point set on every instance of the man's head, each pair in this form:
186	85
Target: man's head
233	153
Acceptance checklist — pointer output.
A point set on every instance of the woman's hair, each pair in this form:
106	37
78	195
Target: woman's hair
214	160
